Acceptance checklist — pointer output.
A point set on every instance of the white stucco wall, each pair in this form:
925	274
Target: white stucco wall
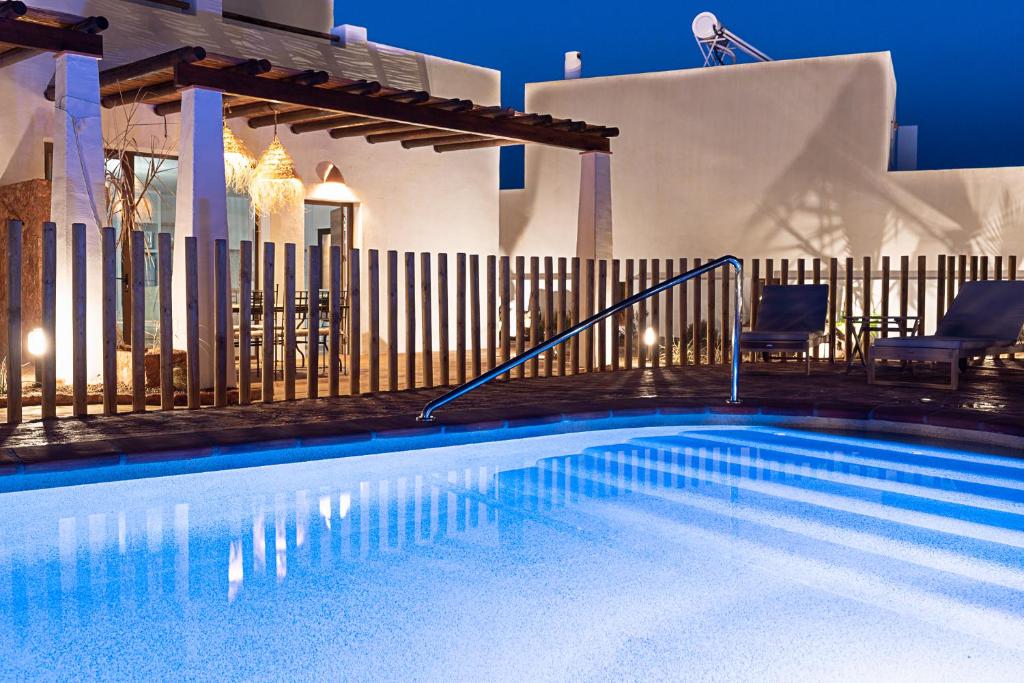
779	159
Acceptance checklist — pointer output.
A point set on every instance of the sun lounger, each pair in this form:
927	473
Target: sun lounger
791	319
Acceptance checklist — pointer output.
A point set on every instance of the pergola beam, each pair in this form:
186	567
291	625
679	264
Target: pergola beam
371	129
30	39
247	108
251	67
443	140
481	144
382	108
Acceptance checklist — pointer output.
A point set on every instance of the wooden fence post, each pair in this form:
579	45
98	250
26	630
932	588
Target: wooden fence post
886	272
698	316
165	261
520	312
410	320
655	322
630	325
684	316
474	312
14	338
505	316
904	290
79	298
712	309
922	284
641	323
848	309
460	317
588	335
221	322
392	320
616	319
289	322
191	320
602	302
833	303
444	349
334	333
269	328
427	321
244	323
48	321
940	293
492	307
373	280
549	313
355	334
314	279
534	312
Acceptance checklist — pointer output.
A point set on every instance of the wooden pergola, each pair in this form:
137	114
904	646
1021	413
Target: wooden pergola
26	32
311	100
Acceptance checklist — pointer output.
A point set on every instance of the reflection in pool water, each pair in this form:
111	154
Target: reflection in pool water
662	552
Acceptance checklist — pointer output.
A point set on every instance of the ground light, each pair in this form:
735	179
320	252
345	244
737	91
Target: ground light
650	336
36	342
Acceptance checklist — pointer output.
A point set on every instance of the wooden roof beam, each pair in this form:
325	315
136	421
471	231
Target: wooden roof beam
12	9
251	67
371	129
481	144
401	136
144	67
332	121
443	139
32	39
382	108
309	77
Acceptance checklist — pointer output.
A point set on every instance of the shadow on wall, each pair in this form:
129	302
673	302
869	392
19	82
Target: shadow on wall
828	202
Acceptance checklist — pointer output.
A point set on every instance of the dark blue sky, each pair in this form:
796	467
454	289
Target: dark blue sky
959	71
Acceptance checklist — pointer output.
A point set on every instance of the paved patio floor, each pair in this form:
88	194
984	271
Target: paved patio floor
991	399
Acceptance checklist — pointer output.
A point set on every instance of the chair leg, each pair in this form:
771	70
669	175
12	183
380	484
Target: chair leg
807	361
954	371
870	361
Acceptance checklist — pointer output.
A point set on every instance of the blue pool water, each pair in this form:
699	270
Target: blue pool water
655	553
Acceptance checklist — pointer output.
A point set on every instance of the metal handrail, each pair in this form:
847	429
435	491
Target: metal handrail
427	414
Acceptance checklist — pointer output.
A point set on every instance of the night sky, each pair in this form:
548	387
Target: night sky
959	70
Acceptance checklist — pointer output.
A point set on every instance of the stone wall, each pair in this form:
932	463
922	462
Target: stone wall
28	202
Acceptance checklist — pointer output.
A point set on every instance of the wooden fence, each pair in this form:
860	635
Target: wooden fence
414	323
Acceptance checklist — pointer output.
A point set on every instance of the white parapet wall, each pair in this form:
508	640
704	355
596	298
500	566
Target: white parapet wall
778	159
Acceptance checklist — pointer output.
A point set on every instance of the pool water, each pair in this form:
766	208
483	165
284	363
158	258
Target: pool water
653	553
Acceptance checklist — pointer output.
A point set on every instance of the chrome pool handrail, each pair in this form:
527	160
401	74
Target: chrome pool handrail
427	414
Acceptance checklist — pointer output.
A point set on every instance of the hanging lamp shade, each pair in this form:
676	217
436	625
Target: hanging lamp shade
239	162
275	184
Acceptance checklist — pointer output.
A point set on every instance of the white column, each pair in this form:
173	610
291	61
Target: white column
78	197
201	212
594	227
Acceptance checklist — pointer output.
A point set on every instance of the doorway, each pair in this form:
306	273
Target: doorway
330	224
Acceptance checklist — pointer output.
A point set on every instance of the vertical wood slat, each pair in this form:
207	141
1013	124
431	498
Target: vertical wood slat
816	279
191	319
534	312
410	320
269	318
950	280
549	313
866	289
833	301
641	323
1011	274
492	310
137	245
886	273
426	321
801	271
974	268
755	291
288	322
392	267
615	321
998	266
848	309
698	317
334	334
983	273
602	303
505	316
48	321
726	335
474	313
562	316
656	314
164	283
904	289
785	271
588	339
79	297
460	318
244	323
630	331
374	315
520	311
443	346
576	342
684	307
14	338
355	324
922	284
221	322
314	279
961	271
940	292
712	310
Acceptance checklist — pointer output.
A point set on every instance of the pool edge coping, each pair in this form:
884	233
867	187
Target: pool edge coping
138	464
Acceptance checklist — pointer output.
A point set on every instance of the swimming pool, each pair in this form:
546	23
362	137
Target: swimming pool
706	552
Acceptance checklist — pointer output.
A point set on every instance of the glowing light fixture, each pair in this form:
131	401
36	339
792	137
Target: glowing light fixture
275	184
239	162
36	342
650	337
332	184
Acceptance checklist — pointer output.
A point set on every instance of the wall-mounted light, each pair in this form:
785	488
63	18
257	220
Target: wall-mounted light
332	184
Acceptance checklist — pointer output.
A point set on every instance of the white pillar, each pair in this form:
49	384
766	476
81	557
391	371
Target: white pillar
78	197
201	212
594	227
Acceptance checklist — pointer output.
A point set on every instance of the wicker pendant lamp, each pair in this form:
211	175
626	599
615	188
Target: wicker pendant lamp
275	184
239	162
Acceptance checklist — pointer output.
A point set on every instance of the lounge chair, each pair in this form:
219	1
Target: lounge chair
985	319
791	318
